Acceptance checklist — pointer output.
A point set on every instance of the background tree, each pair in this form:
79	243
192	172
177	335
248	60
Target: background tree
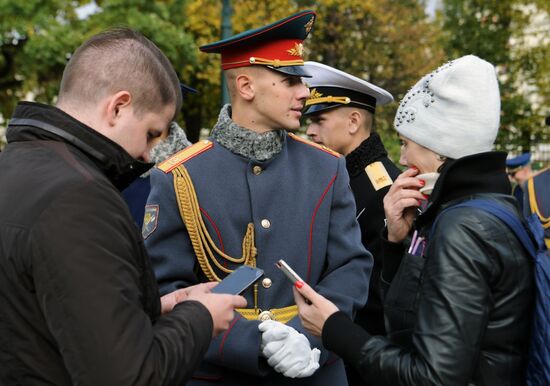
501	32
38	37
387	42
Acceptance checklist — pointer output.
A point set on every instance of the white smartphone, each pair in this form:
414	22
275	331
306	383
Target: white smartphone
289	272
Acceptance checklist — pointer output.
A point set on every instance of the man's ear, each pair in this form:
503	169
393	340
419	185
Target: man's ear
117	104
355	120
245	86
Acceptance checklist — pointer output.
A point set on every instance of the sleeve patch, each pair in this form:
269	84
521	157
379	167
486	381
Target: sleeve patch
150	220
378	175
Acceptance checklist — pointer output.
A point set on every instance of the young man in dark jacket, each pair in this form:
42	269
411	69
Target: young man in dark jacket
79	301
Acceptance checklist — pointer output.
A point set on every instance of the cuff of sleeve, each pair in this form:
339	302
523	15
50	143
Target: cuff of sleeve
198	313
344	338
392	253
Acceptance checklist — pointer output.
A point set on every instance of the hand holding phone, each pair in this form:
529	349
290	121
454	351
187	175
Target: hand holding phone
238	280
290	274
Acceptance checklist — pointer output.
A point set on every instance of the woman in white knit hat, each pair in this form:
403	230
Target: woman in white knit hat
458	307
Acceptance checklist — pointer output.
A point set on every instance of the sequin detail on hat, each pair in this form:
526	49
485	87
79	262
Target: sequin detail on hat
407	114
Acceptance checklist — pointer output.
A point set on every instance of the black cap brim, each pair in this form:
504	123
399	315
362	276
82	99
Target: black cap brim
291	70
314	109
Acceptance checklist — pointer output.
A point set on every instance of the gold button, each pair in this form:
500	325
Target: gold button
265	315
257	170
265	223
266	282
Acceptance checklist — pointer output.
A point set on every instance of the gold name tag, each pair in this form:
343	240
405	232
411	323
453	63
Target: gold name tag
378	175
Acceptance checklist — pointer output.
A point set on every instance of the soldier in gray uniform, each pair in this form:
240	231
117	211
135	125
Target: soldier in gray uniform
252	194
341	111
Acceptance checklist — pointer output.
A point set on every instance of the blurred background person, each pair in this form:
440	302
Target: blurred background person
137	192
537	198
519	171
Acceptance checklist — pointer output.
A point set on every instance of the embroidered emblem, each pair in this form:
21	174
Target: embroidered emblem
150	220
314	94
184	155
309	24
298	50
378	175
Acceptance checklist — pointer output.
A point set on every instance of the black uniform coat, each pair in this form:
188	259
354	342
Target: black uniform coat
78	299
370	212
369	192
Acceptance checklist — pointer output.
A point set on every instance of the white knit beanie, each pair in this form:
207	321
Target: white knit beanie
453	111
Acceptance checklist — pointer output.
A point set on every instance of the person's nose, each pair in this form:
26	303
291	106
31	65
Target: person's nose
303	92
402	160
311	130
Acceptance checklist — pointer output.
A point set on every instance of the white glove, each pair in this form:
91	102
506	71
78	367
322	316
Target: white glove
288	351
273	331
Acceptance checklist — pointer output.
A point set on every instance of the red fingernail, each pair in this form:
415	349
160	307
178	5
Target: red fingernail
419	202
422	182
426	196
299	284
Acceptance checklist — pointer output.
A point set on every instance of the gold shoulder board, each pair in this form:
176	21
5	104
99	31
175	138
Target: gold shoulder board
311	143
378	175
184	155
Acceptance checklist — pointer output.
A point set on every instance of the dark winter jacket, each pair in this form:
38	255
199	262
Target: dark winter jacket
458	311
78	299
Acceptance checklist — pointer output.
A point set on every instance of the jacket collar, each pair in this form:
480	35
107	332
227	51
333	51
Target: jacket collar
35	121
244	142
370	150
462	178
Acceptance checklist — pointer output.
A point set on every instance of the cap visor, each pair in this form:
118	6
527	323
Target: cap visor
291	70
313	109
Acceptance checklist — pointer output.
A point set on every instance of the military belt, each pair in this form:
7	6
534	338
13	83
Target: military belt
282	315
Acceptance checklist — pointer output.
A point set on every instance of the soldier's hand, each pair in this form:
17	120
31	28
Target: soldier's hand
401	203
288	351
220	306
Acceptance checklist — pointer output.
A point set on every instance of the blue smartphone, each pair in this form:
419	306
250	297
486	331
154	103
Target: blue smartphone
238	280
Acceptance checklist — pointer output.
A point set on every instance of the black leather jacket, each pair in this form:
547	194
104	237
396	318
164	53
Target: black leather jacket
459	313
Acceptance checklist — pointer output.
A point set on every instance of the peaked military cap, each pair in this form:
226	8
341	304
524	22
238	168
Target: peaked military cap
277	46
519	161
331	88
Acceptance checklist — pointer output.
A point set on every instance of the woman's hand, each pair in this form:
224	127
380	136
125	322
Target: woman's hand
401	203
313	308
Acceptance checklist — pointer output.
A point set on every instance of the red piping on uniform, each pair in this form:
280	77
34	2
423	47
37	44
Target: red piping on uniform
225	337
215	228
310	242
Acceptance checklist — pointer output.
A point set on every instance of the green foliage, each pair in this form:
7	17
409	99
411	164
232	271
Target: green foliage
389	43
37	38
501	31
